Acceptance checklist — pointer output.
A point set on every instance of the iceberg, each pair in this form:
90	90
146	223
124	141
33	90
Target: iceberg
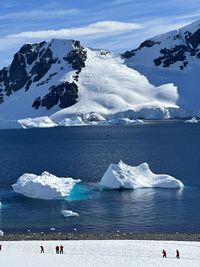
122	175
69	213
39	122
44	186
1	205
125	121
1	233
94	117
192	120
74	121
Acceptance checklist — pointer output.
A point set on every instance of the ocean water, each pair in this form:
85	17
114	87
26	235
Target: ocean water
85	153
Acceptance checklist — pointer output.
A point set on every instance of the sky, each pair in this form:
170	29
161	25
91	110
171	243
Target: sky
116	25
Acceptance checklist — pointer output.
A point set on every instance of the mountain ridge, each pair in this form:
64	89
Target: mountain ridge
61	78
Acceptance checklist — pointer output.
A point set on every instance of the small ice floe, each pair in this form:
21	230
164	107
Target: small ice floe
69	213
192	120
52	229
44	186
75	229
1	205
40	122
1	233
122	175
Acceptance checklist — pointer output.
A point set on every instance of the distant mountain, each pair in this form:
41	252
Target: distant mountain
61	79
173	57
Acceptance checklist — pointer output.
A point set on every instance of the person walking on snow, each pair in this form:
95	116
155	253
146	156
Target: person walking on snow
61	249
177	254
57	249
164	254
41	249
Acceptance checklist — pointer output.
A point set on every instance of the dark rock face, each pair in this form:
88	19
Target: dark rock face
64	94
45	62
179	53
37	102
77	57
171	56
31	63
16	77
147	43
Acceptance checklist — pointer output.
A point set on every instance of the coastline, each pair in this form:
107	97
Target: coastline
102	236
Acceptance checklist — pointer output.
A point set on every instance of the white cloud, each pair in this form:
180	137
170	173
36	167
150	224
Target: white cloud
39	14
102	27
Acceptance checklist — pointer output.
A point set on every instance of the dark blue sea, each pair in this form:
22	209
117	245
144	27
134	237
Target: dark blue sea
85	153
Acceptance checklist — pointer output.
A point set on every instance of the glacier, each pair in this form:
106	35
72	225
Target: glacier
44	186
124	176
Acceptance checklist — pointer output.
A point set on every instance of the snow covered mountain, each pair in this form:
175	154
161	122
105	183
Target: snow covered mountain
172	57
62	79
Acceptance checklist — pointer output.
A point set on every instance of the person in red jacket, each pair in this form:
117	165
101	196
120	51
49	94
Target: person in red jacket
164	254
61	249
57	249
177	254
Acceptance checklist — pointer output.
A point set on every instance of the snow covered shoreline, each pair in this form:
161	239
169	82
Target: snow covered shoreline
102	253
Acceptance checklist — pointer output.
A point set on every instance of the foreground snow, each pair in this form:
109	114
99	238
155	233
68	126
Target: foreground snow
109	253
44	186
122	175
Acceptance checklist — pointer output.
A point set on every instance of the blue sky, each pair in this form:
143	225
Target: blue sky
116	25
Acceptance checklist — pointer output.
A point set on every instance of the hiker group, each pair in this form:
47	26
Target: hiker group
164	253
59	249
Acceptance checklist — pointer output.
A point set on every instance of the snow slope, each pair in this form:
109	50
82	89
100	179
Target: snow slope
122	175
109	253
107	86
66	79
173	57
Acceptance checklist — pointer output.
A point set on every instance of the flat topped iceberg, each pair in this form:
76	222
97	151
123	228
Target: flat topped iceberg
40	122
44	186
122	175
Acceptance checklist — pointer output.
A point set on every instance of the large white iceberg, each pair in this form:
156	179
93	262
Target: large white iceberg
44	186
122	175
192	120
40	122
